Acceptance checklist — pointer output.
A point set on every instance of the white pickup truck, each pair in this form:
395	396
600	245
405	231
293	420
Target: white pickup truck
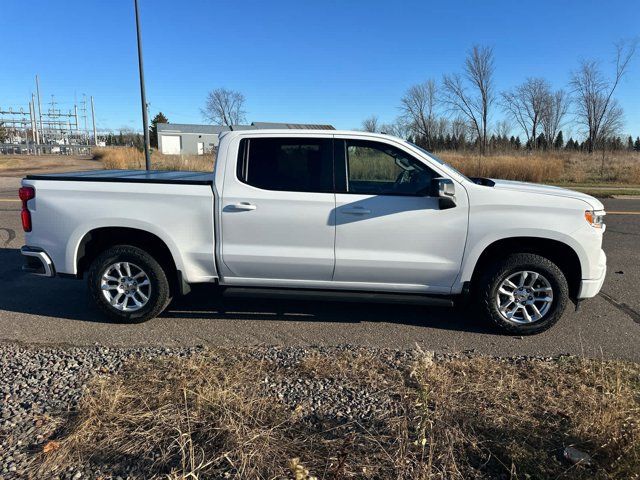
318	214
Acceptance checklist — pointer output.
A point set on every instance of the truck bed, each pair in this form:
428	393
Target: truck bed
131	176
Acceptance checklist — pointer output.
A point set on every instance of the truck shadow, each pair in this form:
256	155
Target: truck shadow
67	299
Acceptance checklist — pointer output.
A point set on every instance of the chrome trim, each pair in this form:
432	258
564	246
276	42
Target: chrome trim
41	255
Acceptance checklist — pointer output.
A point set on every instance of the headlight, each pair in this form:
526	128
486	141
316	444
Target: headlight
595	218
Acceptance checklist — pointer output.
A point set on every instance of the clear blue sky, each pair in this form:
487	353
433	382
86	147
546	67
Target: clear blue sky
323	62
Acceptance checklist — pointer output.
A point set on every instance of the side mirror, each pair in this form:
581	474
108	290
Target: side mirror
445	190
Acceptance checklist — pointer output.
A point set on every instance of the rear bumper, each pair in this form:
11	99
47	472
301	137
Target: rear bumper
590	287
37	262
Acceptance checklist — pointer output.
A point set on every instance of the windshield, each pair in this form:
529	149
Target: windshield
439	160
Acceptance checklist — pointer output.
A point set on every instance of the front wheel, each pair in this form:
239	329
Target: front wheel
128	284
523	294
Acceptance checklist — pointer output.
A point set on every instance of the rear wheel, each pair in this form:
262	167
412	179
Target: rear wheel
128	284
523	294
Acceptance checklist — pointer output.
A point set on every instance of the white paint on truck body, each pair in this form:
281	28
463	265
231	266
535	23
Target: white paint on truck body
238	234
63	212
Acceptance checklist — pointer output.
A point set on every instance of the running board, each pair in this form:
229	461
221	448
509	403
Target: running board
344	296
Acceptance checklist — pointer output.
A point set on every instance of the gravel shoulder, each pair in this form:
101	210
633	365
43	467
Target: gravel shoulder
331	412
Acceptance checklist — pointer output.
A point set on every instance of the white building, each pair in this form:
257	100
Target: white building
188	139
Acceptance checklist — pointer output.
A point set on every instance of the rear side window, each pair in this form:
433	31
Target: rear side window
287	164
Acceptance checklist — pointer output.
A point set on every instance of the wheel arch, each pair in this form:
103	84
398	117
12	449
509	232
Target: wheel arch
99	239
560	253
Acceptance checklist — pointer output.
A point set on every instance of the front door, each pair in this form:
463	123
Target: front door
278	210
389	231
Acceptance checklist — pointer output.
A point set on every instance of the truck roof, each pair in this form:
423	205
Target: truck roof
298	132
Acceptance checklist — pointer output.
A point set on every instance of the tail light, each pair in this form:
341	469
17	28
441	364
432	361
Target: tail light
26	194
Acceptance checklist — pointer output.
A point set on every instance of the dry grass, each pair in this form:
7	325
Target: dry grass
131	158
620	167
518	417
217	417
7	162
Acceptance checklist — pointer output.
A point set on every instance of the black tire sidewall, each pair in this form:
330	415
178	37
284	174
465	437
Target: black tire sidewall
512	264
159	297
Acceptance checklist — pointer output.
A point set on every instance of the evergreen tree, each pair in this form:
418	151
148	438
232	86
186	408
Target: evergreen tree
493	143
541	141
559	141
153	129
636	145
569	144
448	142
617	144
461	142
630	143
518	143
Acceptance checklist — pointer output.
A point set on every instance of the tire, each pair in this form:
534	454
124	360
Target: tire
145	279
550	282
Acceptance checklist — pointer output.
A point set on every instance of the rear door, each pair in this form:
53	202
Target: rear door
389	231
278	207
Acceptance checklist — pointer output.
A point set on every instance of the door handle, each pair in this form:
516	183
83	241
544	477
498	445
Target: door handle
356	211
244	206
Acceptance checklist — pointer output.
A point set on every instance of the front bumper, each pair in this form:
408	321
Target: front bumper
37	261
590	287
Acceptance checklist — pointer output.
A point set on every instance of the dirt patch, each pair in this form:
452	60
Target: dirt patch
21	165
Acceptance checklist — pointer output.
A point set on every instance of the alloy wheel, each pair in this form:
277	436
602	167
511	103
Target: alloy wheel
524	297
125	286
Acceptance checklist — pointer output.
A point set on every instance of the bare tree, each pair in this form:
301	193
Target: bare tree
503	129
474	105
459	128
595	106
440	128
418	108
224	107
399	128
526	104
371	124
553	113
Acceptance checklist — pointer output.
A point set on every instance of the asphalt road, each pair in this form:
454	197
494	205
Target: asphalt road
56	311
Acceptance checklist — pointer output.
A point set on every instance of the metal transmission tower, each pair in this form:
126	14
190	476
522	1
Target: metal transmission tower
33	129
83	111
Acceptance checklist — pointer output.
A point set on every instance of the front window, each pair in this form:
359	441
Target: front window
439	160
380	169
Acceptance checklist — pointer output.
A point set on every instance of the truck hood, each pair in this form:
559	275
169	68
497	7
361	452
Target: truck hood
547	190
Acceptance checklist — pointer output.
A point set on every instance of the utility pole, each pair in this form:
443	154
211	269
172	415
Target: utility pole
39	106
75	116
32	117
35	120
93	119
143	96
